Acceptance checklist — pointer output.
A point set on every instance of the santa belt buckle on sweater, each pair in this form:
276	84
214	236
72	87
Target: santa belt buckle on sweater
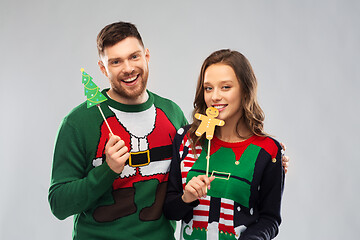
143	158
138	159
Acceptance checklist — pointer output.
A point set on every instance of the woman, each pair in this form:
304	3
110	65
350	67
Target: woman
240	199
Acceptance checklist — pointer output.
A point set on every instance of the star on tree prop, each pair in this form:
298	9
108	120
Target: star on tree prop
93	95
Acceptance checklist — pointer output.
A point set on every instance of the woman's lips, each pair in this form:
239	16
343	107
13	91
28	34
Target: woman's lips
220	107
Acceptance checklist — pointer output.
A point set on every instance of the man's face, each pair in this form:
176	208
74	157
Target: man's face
126	66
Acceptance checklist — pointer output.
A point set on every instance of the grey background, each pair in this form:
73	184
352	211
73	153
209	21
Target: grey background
304	53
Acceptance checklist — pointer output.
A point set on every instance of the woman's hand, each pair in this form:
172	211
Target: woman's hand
196	188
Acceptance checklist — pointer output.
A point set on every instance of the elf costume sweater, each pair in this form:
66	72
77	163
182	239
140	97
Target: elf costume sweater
244	198
107	205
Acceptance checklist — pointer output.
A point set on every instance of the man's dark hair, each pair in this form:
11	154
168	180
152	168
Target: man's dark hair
114	33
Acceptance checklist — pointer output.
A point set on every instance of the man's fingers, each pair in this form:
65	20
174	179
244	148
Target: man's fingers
285	163
285	159
113	140
116	152
119	146
114	145
283	146
124	157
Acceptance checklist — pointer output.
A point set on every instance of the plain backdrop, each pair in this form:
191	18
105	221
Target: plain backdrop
304	53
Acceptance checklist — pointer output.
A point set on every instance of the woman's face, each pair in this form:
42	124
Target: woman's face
222	91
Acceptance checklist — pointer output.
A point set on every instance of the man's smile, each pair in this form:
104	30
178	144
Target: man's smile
130	80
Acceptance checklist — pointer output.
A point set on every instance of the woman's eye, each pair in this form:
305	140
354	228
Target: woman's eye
207	88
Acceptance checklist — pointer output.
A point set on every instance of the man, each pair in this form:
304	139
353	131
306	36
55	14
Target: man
115	184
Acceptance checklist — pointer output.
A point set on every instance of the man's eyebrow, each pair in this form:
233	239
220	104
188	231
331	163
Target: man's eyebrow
136	52
120	59
114	59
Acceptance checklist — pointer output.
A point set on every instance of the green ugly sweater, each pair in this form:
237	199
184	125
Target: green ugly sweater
107	205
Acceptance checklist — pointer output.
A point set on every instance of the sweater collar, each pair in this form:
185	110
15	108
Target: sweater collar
129	108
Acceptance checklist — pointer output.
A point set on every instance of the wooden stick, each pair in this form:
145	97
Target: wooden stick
208	159
102	114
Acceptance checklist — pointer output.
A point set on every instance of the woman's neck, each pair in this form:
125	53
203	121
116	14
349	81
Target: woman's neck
233	133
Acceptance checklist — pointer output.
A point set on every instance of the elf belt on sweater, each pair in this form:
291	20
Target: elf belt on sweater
143	158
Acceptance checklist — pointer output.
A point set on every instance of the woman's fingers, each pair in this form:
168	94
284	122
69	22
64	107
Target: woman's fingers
197	188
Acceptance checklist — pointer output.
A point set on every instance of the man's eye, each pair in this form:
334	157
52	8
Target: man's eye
115	62
134	57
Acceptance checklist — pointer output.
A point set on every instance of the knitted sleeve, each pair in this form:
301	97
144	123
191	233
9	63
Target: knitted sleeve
171	110
72	189
271	189
175	208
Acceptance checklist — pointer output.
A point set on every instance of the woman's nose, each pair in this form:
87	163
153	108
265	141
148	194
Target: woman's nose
216	96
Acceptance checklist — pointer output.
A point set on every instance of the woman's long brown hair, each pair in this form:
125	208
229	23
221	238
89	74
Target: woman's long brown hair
252	113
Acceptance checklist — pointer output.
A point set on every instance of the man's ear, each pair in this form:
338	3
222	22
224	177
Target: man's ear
147	55
102	68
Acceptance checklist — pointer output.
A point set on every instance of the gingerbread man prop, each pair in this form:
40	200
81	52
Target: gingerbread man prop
208	122
207	125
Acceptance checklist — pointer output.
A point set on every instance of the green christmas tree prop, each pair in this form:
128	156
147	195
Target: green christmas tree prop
91	90
93	95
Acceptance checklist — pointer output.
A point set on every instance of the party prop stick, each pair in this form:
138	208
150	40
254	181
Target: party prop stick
102	114
93	95
207	125
208	158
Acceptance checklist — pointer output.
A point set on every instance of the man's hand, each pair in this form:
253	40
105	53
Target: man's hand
196	188
285	159
116	153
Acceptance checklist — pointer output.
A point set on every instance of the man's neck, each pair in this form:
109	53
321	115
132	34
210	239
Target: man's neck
129	101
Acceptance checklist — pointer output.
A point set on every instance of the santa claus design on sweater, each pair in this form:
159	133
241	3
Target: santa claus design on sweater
149	135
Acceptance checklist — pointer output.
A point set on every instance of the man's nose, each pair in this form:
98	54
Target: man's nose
127	67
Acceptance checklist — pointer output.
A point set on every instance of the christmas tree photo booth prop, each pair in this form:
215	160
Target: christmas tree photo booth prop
91	90
93	94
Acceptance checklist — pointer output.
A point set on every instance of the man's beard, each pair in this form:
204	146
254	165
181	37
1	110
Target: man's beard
131	94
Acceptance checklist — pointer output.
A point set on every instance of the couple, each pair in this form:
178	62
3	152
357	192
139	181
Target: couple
121	185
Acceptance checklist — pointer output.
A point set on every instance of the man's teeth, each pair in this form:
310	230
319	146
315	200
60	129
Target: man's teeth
130	79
